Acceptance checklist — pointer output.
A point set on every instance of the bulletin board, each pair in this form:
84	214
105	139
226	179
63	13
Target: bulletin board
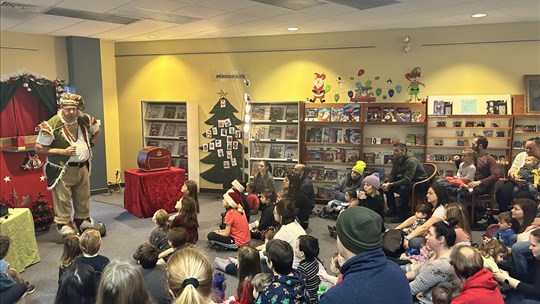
500	104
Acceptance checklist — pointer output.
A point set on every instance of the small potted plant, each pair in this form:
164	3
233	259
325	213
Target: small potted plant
42	213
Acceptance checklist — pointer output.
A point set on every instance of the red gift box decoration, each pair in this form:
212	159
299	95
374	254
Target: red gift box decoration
18	141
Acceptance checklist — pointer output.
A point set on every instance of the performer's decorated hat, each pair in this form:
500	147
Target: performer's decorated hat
69	99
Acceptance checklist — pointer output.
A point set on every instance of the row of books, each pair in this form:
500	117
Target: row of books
393	114
176	147
278	170
450	142
321	173
526	128
501	159
274	132
274	150
324	192
274	113
169	129
347	112
333	155
333	135
165	111
385	157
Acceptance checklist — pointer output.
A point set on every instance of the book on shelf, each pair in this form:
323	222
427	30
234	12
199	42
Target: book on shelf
259	132
369	157
181	112
438	142
416	116
291	112
385	140
438	107
420	139
387	157
312	114
374	114
460	143
324	114
529	128
277	151
275	132
376	140
351	112
155	129
389	114
291	132
291	152
353	136
280	170
169	111
168	144
337	114
332	135
314	134
259	150
277	113
497	107
316	173
325	137
352	155
394	140
169	130
488	133
152	142
258	113
519	144
403	114
410	139
183	149
330	175
448	108
329	155
368	140
152	111
182	131
340	155
315	155
290	169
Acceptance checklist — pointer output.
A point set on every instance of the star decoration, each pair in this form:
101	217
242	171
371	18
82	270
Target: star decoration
7	179
222	93
42	178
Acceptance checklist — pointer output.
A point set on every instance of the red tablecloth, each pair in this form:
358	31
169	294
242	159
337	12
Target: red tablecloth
146	192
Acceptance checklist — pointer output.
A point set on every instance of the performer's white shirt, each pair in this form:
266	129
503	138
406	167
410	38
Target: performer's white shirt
83	151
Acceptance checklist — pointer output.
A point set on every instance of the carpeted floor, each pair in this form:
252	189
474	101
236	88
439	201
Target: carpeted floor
125	232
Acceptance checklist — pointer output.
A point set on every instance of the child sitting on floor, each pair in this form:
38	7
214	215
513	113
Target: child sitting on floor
260	282
90	242
493	253
72	250
158	237
9	271
187	219
253	199
307	249
267	200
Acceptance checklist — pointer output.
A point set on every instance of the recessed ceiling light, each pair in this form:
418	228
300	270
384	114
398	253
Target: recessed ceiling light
153	37
479	15
292	28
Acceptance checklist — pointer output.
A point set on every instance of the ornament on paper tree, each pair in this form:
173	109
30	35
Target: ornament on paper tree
318	87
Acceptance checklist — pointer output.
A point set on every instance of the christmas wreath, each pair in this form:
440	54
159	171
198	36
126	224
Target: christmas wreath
42	213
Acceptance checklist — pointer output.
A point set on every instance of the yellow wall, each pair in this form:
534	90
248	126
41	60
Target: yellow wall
281	68
42	55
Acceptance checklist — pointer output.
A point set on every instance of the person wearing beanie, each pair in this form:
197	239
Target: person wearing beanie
236	232
352	181
370	197
406	170
239	187
359	241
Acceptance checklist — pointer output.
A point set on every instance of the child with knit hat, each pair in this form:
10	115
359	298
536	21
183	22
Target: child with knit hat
370	197
236	232
239	187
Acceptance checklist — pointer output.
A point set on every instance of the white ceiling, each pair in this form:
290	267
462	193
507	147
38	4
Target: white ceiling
237	18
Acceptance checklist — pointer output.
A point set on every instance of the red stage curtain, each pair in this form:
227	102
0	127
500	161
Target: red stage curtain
22	114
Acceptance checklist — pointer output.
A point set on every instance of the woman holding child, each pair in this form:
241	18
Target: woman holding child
438	198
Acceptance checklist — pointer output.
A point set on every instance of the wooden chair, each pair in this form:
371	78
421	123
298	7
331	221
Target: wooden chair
431	171
486	200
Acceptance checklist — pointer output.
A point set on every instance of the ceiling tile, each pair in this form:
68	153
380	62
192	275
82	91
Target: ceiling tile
264	11
11	17
98	6
164	6
228	5
85	28
43	24
327	10
197	11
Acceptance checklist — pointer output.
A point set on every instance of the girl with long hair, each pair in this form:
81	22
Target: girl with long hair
187	218
189	275
72	250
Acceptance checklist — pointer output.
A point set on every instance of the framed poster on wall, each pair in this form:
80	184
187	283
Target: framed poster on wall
532	93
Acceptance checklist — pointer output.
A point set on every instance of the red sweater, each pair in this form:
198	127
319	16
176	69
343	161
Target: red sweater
480	288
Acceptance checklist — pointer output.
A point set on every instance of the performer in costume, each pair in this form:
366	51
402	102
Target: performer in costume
67	139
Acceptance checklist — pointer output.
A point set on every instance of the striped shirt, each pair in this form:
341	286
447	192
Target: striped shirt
310	270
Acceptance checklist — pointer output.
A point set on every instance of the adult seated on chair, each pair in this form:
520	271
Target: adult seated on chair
486	175
352	181
505	195
406	170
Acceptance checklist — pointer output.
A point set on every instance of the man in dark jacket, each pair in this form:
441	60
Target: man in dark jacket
368	277
406	170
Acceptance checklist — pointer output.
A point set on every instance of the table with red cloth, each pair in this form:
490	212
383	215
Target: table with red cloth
147	192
